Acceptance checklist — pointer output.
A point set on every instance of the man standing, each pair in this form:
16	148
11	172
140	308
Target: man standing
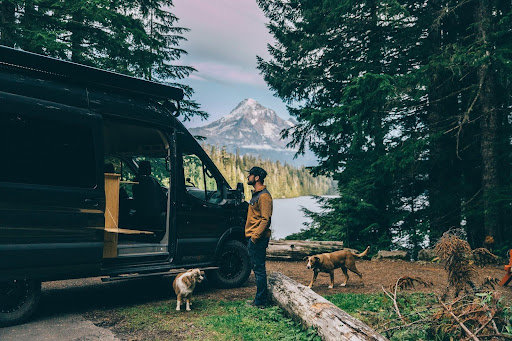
257	232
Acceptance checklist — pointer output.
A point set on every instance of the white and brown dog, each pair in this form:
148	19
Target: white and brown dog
184	285
327	262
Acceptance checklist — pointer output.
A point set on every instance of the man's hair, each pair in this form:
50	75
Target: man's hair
258	171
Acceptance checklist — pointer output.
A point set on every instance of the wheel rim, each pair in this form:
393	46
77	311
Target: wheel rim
232	264
14	295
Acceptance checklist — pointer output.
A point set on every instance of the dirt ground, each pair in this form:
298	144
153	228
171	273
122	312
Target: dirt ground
376	273
92	293
98	301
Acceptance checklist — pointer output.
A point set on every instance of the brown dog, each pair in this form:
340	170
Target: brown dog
184	285
327	262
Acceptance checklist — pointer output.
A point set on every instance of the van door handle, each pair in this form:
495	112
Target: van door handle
92	202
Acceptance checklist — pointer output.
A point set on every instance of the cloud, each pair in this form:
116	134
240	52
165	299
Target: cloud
223	30
227	73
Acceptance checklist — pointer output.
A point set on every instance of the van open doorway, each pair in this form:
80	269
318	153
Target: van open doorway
138	171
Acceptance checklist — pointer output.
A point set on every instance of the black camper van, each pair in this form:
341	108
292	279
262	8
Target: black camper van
99	178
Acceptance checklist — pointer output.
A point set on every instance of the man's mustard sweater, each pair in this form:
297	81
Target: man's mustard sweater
258	215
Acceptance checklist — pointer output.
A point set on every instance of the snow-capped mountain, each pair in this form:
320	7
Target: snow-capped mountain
255	130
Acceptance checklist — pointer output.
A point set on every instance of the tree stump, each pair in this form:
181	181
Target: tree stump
298	249
312	310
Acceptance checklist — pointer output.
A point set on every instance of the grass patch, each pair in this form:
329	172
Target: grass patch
209	320
240	322
376	310
233	320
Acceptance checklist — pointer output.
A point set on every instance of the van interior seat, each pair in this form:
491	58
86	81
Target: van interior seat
149	200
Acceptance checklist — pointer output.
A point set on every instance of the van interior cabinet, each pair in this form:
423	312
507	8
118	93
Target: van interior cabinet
111	214
112	230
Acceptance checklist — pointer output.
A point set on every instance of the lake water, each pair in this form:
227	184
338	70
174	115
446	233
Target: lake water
288	218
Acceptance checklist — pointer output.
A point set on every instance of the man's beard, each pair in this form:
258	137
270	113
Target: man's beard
251	183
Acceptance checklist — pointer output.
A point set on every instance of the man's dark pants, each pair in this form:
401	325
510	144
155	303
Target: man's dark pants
258	254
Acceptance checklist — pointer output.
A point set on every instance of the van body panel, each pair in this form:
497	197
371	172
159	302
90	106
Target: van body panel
91	75
56	216
96	99
200	224
207	221
49	254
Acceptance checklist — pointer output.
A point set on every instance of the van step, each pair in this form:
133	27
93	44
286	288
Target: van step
137	275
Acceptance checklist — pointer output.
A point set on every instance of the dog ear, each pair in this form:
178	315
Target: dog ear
316	257
305	258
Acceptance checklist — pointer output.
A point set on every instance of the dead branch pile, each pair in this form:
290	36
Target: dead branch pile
479	316
483	257
472	318
489	283
455	253
406	282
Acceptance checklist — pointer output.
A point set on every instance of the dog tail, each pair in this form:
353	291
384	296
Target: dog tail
365	252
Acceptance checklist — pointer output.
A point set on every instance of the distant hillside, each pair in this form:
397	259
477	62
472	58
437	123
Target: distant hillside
253	129
283	180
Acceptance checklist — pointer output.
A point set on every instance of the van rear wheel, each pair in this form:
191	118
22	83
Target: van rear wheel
234	266
18	300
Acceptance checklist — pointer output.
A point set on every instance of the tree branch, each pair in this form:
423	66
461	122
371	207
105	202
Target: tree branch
468	332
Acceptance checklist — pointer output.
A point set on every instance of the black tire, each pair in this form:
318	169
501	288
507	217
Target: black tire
234	266
18	300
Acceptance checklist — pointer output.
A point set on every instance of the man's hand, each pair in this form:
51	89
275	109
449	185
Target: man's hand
254	241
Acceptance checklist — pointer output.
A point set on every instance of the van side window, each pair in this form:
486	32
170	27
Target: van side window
199	181
46	152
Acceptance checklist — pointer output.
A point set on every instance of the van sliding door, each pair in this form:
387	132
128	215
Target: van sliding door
51	188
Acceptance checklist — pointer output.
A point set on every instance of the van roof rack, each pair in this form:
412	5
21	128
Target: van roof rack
86	74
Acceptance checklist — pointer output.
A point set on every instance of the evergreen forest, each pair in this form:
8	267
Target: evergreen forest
282	181
407	104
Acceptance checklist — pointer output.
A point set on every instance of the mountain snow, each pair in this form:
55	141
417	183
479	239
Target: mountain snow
252	129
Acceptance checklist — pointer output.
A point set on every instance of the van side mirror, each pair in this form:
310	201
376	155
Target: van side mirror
168	163
175	110
240	191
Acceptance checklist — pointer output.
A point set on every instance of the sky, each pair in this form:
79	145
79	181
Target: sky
224	39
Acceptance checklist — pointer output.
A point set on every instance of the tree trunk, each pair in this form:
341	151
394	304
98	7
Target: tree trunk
443	110
298	249
472	172
7	23
444	172
77	27
31	31
312	310
489	125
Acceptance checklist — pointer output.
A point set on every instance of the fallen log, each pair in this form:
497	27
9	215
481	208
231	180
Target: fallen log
312	310
298	249
383	254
